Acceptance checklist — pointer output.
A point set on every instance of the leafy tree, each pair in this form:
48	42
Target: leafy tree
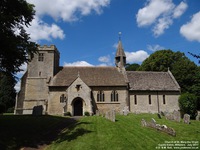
187	104
132	67
7	91
15	44
15	15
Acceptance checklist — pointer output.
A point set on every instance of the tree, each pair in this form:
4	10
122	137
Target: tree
187	104
15	15
7	91
184	70
132	67
15	45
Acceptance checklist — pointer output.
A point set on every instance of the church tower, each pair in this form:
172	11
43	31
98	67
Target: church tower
120	57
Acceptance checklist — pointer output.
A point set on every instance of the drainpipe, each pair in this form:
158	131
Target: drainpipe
158	103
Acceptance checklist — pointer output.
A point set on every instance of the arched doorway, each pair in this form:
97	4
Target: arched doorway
78	107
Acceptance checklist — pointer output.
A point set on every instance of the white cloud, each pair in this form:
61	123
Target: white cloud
152	10
68	10
160	14
180	9
104	59
18	86
154	47
136	57
39	30
115	45
191	30
78	63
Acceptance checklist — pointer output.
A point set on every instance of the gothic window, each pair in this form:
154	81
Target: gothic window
164	102
41	57
149	99
114	96
62	98
135	99
100	96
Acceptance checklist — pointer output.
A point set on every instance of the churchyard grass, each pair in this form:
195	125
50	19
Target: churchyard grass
90	133
126	133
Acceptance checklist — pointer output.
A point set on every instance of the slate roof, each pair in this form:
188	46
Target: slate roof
92	76
153	81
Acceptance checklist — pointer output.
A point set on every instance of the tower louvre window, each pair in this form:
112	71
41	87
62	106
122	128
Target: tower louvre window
41	57
135	99
149	99
164	102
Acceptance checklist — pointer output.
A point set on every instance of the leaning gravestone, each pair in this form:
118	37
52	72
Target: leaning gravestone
177	116
186	118
159	116
97	112
153	122
125	110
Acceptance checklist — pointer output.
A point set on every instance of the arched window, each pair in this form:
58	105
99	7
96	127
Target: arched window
114	96
62	98
100	96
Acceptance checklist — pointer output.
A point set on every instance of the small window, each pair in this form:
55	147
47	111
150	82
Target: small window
149	99
41	57
100	96
164	102
62	98
114	96
135	99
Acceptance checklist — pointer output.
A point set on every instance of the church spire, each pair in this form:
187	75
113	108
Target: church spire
120	57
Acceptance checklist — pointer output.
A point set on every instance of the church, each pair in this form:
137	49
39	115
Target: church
57	90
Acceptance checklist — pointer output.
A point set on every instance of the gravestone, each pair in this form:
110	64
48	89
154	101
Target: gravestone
177	116
97	112
162	113
153	122
198	116
159	116
169	116
110	115
186	118
126	110
144	123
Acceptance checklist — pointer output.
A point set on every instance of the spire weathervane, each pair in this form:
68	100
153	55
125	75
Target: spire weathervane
120	33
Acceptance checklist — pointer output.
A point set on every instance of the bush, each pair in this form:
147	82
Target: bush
10	110
188	104
87	113
67	114
2	108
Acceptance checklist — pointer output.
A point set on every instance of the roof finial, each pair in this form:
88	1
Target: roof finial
120	33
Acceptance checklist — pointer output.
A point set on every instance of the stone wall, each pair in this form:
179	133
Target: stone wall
143	106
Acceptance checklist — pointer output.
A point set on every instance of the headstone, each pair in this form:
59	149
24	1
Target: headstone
159	116
126	110
153	122
197	118
97	112
143	122
110	115
162	113
37	110
186	118
177	116
169	116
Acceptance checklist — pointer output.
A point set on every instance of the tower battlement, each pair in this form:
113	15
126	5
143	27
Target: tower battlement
48	48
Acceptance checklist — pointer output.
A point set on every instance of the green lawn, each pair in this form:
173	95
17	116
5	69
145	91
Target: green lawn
90	133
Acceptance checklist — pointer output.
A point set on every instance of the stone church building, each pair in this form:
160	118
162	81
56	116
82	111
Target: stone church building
55	90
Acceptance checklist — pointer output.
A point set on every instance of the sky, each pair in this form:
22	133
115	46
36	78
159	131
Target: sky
86	32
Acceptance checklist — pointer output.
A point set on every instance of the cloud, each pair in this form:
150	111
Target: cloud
18	86
104	59
160	14
154	47
191	30
68	10
39	30
115	45
179	10
78	63
136	57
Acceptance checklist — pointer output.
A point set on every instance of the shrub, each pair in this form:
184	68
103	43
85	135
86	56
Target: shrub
87	113
67	114
2	108
188	104
10	110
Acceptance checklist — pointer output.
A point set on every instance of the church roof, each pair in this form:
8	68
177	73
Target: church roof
153	81
92	76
